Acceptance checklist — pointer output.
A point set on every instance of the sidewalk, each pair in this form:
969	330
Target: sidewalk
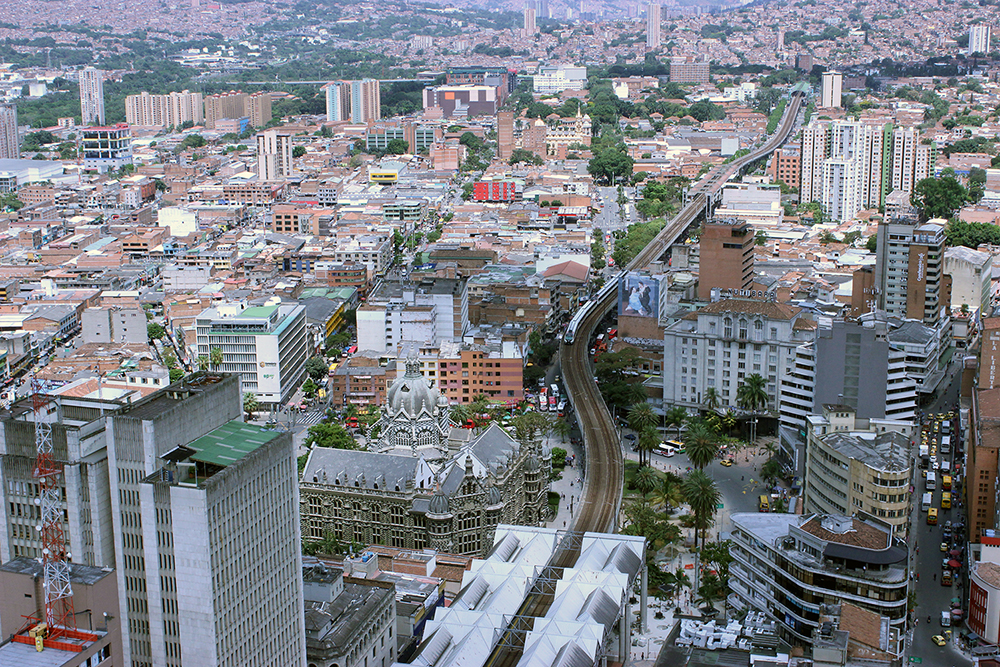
569	486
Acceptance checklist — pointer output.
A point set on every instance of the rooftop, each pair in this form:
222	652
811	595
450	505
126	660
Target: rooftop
858	534
887	452
229	443
78	574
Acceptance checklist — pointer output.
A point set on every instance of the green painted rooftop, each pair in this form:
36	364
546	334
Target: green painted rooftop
230	442
263	312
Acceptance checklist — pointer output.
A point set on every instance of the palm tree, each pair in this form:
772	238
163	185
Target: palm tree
770	471
779	505
752	394
648	441
641	415
712	399
668	493
645	481
460	414
702	446
561	428
203	362
703	496
215	357
675	416
682	581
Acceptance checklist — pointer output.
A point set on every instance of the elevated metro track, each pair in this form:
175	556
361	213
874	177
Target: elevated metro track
600	501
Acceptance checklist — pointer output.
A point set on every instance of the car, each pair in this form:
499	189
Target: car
946	578
939	640
630	436
933	450
944	546
726	463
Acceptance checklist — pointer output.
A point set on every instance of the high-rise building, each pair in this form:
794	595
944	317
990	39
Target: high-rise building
876	164
354	101
912	159
204	505
258	109
10	142
842	171
171	110
979	39
505	134
832	86
274	156
726	249
653	38
530	28
983	448
107	148
235	104
92	96
910	282
688	69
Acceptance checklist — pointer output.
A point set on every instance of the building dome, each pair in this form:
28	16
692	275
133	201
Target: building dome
411	394
532	464
438	504
493	497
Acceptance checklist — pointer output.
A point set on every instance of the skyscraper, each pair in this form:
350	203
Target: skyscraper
909	271
92	96
354	101
815	137
876	164
832	84
912	160
529	21
842	171
274	156
505	134
10	144
979	39
653	26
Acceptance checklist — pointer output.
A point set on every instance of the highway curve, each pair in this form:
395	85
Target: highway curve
604	472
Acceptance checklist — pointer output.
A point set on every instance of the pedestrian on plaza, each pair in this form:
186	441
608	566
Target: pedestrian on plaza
935	576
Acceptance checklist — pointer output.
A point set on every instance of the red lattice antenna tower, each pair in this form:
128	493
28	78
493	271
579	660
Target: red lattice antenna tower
60	618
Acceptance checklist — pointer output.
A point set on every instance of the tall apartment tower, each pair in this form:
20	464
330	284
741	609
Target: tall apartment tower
206	530
258	109
832	89
979	39
910	282
912	160
92	96
876	168
842	171
505	134
274	156
10	143
726	250
815	149
530	27
653	38
172	110
355	101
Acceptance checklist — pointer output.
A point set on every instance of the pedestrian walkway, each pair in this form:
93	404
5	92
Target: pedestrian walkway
308	419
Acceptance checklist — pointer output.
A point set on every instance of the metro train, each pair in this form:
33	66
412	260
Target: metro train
611	286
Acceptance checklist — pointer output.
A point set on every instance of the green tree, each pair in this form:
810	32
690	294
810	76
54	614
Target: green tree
645	481
520	155
193	141
770	472
611	165
316	368
711	399
298	151
335	436
10	202
215	357
250	404
169	359
561	428
558	458
703	497
397	147
675	416
176	374
668	492
752	394
647	442
618	388
202	362
718	556
641	415
702	445
938	197
871	243
155	331
309	388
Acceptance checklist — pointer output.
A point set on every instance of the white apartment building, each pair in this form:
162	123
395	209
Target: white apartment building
722	343
815	149
971	278
653	38
857	465
10	140
979	39
843	171
92	96
832	89
876	164
354	101
170	110
559	78
912	160
754	204
266	345
274	156
375	252
432	312
207	538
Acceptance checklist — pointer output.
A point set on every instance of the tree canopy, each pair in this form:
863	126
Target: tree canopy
938	197
611	165
636	238
335	436
971	234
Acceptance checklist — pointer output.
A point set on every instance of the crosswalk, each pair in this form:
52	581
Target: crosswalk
314	417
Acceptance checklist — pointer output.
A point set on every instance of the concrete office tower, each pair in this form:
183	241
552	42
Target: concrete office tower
653	38
207	539
910	281
92	96
530	28
842	171
505	134
832	85
10	142
726	249
979	39
274	156
912	160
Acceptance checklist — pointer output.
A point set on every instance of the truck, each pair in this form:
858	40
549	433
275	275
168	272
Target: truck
926	501
945	444
931	481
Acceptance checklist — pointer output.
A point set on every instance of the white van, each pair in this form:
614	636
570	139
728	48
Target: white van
931	481
926	501
945	619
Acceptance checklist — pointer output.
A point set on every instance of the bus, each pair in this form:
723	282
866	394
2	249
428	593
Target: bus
667	449
764	504
926	501
946	482
932	516
946	500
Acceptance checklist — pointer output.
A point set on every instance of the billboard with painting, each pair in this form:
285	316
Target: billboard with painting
638	296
